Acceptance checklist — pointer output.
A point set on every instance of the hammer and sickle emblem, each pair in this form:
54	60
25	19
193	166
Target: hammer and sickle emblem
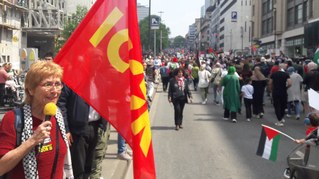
116	41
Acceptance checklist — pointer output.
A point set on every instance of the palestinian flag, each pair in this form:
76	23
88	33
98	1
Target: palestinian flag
268	143
316	56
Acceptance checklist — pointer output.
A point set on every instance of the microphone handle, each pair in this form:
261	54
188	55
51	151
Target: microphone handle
47	117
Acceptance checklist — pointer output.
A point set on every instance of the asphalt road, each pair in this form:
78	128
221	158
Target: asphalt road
209	147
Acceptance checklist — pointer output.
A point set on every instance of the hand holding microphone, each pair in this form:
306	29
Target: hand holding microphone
43	131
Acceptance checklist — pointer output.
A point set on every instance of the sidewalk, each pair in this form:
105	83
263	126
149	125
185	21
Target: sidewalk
112	167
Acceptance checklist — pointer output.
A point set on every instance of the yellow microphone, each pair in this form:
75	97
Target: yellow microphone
49	110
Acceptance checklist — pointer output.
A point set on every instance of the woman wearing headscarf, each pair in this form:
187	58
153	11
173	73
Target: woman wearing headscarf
178	94
231	94
259	83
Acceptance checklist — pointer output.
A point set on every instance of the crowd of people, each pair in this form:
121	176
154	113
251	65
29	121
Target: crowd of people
239	82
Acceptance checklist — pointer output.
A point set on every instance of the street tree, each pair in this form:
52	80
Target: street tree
69	27
147	37
179	42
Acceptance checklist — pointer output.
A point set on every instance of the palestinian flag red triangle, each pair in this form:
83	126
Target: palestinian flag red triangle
271	133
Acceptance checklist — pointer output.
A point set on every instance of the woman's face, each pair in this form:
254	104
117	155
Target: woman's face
47	91
180	74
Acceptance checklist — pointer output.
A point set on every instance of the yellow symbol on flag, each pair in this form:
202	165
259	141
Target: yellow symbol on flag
138	125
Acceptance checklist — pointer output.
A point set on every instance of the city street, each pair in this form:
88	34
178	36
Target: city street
209	147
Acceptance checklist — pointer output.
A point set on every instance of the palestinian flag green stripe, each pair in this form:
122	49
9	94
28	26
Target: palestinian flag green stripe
316	56
274	148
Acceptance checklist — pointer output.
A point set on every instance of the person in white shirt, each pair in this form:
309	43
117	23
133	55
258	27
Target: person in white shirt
247	92
203	83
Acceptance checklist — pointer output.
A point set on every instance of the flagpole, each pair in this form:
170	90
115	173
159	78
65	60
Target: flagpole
286	135
149	25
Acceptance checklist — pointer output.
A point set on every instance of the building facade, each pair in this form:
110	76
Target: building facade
279	26
142	12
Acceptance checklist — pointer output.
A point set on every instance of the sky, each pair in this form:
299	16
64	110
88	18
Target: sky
177	14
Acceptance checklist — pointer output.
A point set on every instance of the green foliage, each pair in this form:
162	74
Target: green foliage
178	42
70	25
147	37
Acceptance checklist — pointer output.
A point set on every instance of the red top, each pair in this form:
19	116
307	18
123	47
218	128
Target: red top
45	158
309	130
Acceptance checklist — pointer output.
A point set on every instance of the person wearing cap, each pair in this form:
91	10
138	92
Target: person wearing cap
294	92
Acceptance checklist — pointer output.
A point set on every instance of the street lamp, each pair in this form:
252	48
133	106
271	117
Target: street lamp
251	36
274	20
161	43
149	25
242	38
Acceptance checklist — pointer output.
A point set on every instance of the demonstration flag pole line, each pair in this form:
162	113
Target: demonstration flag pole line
279	132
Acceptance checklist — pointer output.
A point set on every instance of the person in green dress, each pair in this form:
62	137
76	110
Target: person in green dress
231	94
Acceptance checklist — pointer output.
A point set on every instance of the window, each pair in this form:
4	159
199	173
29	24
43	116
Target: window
9	35
310	8
290	20
270	6
264	27
298	14
245	26
252	28
269	25
264	10
304	12
253	13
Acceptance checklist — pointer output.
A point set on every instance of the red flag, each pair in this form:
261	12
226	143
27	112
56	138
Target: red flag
102	63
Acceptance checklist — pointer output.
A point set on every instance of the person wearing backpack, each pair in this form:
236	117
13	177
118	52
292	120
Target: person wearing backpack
43	144
164	71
